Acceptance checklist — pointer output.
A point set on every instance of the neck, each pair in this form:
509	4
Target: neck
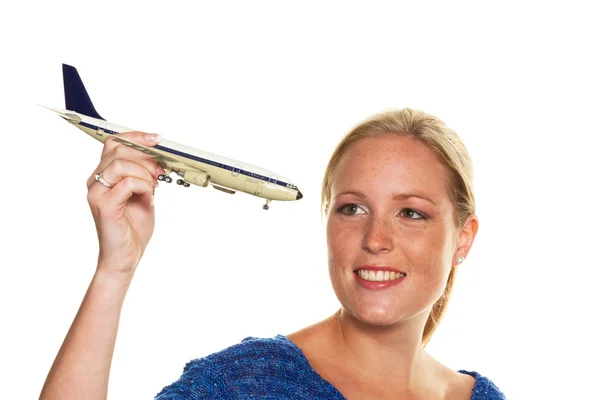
393	351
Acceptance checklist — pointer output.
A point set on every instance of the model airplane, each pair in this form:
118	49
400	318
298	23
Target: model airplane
193	166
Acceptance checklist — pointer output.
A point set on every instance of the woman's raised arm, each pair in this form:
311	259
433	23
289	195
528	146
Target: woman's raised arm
120	195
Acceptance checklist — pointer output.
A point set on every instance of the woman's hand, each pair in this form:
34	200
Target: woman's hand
124	213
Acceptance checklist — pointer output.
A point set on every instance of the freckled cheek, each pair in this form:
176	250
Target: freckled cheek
432	277
341	245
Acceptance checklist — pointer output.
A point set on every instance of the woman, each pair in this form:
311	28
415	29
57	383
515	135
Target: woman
401	217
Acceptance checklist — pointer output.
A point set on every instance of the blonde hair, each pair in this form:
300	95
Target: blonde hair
451	152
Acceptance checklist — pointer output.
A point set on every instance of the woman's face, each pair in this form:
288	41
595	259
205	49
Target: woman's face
389	211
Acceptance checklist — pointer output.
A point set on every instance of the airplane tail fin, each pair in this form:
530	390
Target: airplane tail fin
76	97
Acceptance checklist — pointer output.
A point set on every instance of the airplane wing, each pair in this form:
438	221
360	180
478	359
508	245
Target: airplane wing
161	158
164	160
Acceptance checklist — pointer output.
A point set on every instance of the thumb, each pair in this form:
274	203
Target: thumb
143	138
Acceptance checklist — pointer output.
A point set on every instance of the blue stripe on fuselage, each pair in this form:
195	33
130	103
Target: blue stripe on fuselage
196	158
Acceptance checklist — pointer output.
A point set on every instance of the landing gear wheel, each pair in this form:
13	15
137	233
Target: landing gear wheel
161	177
180	181
168	179
266	205
185	184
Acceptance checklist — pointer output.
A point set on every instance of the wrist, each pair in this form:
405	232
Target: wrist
119	262
113	284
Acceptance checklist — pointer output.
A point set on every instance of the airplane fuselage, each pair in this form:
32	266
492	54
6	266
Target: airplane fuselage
224	173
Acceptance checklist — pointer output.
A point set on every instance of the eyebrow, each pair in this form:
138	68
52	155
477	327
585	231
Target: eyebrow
401	196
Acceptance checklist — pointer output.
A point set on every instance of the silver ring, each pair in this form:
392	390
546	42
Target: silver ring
100	179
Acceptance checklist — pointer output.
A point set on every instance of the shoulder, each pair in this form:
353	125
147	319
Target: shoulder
200	380
261	358
484	388
255	366
252	350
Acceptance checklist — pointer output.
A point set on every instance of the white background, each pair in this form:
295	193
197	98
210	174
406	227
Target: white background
278	84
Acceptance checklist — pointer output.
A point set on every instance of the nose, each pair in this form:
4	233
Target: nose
378	237
299	195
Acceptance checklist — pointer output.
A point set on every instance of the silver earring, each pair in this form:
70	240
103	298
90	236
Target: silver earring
460	260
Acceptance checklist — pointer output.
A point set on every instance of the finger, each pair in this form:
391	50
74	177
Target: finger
121	168
143	138
126	188
121	152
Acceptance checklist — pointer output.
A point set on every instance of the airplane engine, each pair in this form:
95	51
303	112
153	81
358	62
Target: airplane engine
197	178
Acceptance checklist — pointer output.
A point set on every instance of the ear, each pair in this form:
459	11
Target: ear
466	236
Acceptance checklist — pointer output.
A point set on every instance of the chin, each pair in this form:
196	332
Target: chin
377	316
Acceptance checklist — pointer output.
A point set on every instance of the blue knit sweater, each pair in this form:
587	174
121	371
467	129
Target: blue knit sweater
273	369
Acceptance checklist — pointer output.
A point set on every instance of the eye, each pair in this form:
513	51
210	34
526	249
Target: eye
412	214
351	209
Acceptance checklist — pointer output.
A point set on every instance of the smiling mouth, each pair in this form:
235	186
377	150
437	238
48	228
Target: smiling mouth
379	275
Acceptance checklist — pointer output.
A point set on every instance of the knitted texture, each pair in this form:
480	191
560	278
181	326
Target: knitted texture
271	369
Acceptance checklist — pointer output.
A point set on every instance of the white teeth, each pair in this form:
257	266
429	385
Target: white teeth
379	276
